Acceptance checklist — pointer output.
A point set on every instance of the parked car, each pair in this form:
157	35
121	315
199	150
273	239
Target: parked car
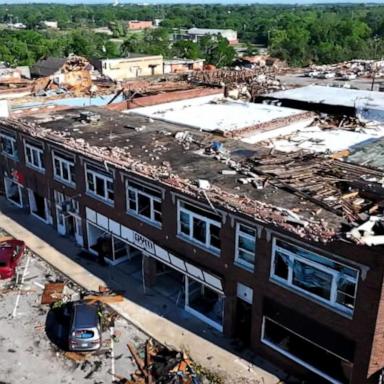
85	330
11	251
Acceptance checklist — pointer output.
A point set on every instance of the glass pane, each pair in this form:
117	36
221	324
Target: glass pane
199	230
281	265
215	236
157	216
312	279
41	159
184	223
157	206
35	158
144	205
247	230
29	155
65	172
346	292
317	258
246	256
7	146
247	244
100	187
57	168
91	185
72	170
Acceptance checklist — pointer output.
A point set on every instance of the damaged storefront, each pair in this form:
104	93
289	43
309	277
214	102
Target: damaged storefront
198	291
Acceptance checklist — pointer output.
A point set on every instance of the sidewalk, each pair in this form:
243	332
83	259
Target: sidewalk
150	315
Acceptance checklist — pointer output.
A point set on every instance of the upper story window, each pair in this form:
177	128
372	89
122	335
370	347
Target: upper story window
199	225
8	144
34	156
64	167
99	183
316	276
245	246
144	201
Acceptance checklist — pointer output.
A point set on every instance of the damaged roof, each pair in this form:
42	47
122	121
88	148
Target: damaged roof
313	196
328	95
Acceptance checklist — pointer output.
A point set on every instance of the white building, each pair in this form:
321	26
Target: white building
197	33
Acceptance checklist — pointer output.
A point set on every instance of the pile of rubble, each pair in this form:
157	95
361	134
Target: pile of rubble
347	70
348	190
350	123
244	83
160	365
75	77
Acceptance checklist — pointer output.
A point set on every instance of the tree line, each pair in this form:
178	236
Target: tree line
300	35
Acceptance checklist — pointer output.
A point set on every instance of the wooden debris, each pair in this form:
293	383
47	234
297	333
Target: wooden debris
76	356
105	299
161	365
52	293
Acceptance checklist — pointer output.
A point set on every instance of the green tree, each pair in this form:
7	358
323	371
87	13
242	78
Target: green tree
186	49
217	50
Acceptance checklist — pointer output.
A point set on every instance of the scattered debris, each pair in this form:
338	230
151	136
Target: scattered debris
53	292
160	365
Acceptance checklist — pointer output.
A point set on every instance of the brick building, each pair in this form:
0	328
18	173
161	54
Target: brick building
257	259
136	25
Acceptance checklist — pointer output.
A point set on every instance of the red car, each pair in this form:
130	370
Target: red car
11	252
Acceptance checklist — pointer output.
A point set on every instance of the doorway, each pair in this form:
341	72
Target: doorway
38	206
243	321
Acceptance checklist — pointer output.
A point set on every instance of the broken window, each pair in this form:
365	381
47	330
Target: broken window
144	201
205	303
64	168
34	156
199	225
13	191
245	246
319	277
305	352
8	144
100	184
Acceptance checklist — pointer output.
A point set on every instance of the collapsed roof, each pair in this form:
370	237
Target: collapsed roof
311	195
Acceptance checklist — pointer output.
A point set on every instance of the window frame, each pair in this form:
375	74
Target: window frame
40	156
295	358
238	260
135	212
208	221
60	158
13	140
332	303
99	174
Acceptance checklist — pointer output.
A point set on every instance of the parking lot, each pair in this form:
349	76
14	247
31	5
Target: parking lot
28	348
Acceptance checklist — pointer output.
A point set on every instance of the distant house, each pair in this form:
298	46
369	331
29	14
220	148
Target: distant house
103	30
197	33
16	26
183	65
49	24
137	25
47	67
136	65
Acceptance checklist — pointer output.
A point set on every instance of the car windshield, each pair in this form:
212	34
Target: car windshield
84	334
